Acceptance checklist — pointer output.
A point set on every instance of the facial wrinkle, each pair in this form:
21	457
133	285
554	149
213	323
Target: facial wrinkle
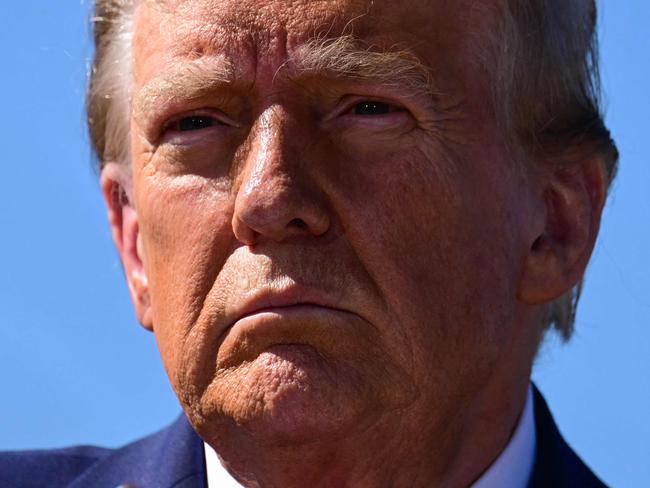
185	80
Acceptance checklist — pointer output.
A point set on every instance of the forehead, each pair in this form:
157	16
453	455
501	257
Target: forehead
248	29
301	16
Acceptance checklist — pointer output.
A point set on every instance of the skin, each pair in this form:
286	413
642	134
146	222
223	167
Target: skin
339	299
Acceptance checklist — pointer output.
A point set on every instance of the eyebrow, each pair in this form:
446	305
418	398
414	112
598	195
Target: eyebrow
348	58
342	57
182	81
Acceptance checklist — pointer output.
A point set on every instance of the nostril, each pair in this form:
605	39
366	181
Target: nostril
539	242
298	223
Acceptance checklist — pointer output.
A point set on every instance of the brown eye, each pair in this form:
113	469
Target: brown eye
195	122
372	108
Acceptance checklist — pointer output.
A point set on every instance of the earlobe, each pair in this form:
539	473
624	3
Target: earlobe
573	196
123	220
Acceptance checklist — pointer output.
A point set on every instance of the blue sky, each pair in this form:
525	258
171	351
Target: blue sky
76	367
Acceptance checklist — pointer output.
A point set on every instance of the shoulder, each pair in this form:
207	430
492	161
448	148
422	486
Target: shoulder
556	464
53	468
170	457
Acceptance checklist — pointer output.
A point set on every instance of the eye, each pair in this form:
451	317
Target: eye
193	123
367	113
190	127
370	107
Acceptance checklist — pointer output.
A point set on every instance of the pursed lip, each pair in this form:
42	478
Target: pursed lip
292	315
266	300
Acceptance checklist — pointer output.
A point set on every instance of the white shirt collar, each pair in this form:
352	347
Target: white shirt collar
218	476
512	468
514	465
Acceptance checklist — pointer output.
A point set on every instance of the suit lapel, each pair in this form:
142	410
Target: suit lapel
171	458
556	465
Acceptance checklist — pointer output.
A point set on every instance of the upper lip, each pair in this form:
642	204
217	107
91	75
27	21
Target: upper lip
283	297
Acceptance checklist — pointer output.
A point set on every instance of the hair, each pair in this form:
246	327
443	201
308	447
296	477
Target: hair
547	96
542	60
110	80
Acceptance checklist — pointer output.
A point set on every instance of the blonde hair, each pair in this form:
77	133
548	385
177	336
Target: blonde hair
543	65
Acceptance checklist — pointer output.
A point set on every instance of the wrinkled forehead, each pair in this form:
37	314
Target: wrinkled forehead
204	27
296	16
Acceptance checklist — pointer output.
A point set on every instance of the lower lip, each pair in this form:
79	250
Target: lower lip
296	318
275	316
308	325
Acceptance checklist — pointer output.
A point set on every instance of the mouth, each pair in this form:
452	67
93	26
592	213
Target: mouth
292	318
281	310
284	301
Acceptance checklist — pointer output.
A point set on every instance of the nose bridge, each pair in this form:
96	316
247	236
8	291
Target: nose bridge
277	197
269	162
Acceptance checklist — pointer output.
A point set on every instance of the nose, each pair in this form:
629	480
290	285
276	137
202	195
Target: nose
278	197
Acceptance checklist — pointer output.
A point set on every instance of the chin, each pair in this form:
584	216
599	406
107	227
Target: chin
289	395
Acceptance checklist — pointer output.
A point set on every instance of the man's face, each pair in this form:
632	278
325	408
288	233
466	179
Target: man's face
328	246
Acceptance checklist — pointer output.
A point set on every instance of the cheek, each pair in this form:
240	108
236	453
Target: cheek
186	235
430	233
402	210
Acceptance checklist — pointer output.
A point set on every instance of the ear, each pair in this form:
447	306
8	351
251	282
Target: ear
572	197
123	219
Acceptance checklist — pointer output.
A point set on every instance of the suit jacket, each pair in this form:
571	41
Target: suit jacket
173	458
556	465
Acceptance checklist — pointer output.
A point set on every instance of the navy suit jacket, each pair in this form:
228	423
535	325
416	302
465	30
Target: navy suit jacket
173	458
